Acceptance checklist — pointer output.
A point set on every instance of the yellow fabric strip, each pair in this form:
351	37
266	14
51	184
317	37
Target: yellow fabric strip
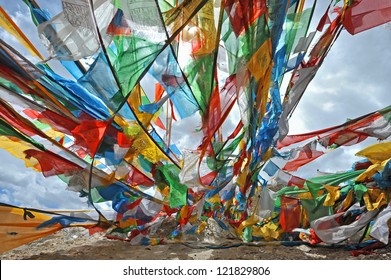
16	147
259	63
9	25
374	199
377	152
15	231
332	196
372	170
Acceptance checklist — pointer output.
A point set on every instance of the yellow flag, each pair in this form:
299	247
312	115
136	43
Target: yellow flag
260	63
16	229
9	25
332	196
377	153
375	198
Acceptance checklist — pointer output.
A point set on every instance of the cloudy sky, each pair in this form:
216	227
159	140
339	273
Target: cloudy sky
354	80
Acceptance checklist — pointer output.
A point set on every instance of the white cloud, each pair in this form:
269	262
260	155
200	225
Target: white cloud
328	106
353	81
185	134
337	160
24	187
354	78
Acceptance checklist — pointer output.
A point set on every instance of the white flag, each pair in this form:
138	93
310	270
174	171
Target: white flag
71	35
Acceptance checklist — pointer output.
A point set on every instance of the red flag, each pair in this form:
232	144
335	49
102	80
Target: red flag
324	20
290	213
89	134
52	164
353	131
306	154
135	178
208	178
14	120
220	105
366	14
296	181
57	121
243	13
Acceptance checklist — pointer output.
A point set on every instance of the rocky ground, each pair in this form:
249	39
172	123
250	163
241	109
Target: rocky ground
77	244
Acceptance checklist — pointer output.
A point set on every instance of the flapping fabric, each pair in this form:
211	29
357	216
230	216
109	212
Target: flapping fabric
175	114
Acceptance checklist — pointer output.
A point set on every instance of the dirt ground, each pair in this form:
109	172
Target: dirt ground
78	245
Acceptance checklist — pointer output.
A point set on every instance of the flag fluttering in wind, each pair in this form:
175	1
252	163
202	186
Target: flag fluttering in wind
147	77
